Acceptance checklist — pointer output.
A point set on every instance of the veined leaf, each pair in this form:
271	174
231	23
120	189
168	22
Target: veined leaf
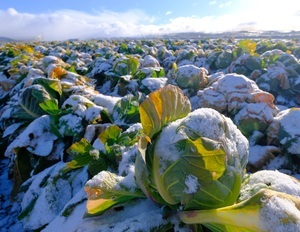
202	159
111	133
85	154
210	155
127	109
51	85
132	65
50	106
161	107
81	154
31	98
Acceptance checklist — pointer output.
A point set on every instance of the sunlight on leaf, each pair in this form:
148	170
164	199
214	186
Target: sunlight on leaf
58	72
248	46
50	106
105	191
211	154
110	133
51	85
161	107
81	154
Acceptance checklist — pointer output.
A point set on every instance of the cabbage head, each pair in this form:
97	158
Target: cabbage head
195	162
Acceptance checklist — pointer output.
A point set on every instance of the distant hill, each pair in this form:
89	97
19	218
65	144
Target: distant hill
6	39
238	35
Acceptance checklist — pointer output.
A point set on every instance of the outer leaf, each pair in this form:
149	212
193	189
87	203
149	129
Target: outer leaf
53	86
106	191
80	148
132	65
161	107
253	214
81	153
50	106
142	174
248	46
253	63
22	169
30	99
20	59
111	133
127	109
85	154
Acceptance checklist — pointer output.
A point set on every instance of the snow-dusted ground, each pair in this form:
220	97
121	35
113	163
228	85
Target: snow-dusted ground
139	215
8	210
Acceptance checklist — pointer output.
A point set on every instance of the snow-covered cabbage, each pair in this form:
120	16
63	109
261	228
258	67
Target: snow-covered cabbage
83	107
245	64
254	117
231	93
281	77
220	59
150	61
30	99
284	131
197	160
190	76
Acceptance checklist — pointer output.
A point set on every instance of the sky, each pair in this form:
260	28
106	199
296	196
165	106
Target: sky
86	19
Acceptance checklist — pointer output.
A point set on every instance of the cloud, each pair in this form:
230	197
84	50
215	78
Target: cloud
225	4
66	24
168	12
212	2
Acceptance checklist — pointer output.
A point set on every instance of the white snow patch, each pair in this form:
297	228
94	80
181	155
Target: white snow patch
289	121
150	61
134	127
105	101
164	146
154	84
8	210
192	184
11	129
70	124
279	215
140	215
92	113
99	145
37	138
274	180
127	167
78	103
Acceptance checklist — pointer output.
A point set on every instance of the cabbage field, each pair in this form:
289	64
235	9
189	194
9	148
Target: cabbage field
150	135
